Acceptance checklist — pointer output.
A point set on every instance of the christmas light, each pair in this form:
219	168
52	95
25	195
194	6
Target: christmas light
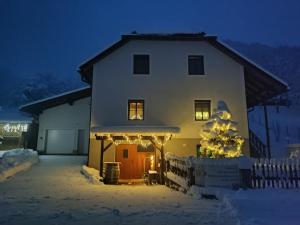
219	136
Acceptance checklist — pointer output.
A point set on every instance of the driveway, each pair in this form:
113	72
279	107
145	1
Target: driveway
54	192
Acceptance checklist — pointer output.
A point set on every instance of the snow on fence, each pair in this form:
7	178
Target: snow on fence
275	173
178	171
232	173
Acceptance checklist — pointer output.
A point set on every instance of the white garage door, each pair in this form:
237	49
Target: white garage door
60	141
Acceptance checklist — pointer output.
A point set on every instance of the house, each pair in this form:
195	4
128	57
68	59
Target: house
64	122
150	94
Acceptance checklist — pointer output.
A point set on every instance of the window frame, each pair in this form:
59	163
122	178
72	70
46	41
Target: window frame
188	65
209	107
136	109
133	64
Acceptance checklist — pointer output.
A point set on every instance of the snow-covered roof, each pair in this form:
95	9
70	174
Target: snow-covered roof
37	106
54	96
136	129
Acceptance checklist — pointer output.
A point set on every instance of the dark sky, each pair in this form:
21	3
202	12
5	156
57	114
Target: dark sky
55	36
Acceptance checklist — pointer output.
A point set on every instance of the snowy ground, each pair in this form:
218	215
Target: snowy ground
54	192
15	161
266	207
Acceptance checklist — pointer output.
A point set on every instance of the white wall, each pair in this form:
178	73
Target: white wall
169	92
66	116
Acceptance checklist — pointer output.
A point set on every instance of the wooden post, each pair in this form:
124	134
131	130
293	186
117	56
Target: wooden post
101	156
267	131
162	166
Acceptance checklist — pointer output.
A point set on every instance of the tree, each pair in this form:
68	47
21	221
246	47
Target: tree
219	137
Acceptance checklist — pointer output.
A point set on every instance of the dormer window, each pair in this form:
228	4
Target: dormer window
136	110
196	64
141	64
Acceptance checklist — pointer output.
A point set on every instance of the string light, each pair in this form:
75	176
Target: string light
137	139
15	128
219	136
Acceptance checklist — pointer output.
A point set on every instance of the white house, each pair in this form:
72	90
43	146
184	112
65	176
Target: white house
64	122
152	92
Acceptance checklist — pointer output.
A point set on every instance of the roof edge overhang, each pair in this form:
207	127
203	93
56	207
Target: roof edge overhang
38	106
135	129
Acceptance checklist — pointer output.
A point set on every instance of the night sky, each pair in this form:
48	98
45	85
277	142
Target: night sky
56	36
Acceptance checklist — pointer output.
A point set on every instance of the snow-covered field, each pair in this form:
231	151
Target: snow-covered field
266	207
55	192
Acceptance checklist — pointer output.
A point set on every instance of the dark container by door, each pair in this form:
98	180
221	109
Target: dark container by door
112	173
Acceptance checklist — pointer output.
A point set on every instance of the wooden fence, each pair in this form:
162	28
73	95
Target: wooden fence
275	173
265	173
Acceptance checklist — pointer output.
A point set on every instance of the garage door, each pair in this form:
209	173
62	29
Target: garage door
60	141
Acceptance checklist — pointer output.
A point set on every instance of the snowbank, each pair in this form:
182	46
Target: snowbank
92	175
15	161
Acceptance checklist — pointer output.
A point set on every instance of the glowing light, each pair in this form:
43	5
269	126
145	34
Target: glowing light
15	128
138	139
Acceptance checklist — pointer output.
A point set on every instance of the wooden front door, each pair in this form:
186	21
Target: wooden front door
132	161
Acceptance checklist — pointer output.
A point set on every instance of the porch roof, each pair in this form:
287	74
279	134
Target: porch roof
136	129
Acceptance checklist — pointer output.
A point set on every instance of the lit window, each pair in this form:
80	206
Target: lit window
136	110
141	64
202	110
196	64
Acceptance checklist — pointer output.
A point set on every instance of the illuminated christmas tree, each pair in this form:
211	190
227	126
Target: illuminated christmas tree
219	137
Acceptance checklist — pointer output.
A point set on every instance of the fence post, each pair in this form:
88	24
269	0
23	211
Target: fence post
245	166
191	176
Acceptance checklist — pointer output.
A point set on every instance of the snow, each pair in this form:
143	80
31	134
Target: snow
178	180
55	96
265	206
54	192
15	161
92	175
284	128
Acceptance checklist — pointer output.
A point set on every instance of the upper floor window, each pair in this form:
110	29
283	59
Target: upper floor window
136	110
196	64
202	110
141	64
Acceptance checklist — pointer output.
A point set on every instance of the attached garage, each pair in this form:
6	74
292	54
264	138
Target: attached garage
64	122
58	141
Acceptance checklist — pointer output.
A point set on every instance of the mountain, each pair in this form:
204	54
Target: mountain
283	61
19	90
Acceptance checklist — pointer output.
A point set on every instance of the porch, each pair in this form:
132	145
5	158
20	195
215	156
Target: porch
135	153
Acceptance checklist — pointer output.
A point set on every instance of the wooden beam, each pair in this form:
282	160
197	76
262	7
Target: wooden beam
101	157
107	146
154	144
162	166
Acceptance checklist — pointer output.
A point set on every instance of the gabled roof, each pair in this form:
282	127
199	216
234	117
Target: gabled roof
261	85
38	106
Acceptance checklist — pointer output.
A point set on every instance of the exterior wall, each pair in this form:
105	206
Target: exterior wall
66	116
169	92
94	154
